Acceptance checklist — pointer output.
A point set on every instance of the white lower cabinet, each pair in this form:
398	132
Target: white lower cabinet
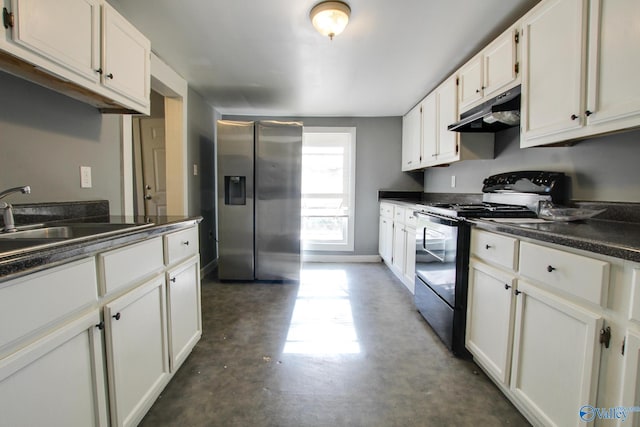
556	356
410	259
385	238
58	380
397	241
490	312
136	339
183	302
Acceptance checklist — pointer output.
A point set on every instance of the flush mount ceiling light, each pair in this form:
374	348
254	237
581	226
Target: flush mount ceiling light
330	17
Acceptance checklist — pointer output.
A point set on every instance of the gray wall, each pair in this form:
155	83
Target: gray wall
604	168
378	162
200	151
44	139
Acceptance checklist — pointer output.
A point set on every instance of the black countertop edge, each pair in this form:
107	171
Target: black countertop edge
30	260
611	249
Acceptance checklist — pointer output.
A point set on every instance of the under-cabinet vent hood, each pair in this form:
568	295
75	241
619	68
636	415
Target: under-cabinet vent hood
499	113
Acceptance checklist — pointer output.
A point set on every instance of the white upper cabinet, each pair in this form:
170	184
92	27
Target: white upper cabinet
492	71
429	130
447	96
613	96
411	139
81	48
553	71
45	27
579	64
471	83
126	58
500	64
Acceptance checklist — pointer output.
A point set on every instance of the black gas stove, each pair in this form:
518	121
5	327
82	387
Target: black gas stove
507	195
443	240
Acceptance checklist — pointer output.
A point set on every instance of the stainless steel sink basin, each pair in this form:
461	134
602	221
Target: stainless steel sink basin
71	231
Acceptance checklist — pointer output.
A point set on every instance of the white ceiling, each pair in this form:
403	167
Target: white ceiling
263	57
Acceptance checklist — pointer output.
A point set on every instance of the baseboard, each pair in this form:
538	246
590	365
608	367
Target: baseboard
209	268
340	258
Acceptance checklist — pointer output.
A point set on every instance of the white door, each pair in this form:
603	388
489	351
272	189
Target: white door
411	134
66	32
556	356
447	114
614	61
553	78
410	259
490	311
136	351
631	379
399	235
470	83
154	170
430	132
185	321
500	63
126	59
57	381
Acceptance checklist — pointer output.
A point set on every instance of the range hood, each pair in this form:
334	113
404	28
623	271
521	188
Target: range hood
499	113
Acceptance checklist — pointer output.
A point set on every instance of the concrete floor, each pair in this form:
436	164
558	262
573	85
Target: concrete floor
345	347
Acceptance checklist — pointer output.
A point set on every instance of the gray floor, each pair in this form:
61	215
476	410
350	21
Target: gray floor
344	348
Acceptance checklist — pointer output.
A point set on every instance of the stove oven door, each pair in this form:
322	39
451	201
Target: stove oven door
436	248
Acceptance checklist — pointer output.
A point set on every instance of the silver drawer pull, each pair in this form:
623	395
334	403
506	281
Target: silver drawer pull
186	243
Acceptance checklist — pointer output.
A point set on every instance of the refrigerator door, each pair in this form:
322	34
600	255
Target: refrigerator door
235	200
278	177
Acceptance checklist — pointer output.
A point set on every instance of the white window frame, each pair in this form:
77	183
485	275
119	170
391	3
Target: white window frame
349	245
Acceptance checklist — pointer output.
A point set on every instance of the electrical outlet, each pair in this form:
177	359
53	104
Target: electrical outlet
453	181
85	177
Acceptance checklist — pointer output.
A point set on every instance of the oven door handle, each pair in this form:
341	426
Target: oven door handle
440	219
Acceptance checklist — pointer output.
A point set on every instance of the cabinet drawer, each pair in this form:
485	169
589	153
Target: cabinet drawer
576	275
180	245
386	210
495	248
409	218
125	266
30	304
398	214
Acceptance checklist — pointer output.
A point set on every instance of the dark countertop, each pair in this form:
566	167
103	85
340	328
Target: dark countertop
612	238
17	260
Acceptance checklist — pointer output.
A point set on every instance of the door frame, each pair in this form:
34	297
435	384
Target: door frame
174	88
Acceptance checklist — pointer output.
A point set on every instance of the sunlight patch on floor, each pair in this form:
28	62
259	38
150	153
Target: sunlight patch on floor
322	321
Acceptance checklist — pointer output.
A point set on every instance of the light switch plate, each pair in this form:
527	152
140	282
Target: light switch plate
85	176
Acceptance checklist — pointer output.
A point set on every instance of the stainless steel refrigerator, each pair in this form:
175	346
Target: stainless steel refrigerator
259	174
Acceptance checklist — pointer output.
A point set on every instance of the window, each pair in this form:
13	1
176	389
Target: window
328	188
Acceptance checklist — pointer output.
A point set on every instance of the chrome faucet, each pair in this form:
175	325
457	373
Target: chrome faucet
9	225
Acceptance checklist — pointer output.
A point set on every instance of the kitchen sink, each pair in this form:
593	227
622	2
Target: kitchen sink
71	231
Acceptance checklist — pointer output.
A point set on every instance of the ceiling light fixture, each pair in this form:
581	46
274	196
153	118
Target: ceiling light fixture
330	17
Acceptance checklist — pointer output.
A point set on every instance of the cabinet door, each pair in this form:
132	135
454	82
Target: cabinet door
66	32
429	130
447	114
614	44
58	380
185	320
553	79
399	235
136	351
490	311
470	83
500	64
555	356
410	259
631	378
126	57
411	139
385	242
